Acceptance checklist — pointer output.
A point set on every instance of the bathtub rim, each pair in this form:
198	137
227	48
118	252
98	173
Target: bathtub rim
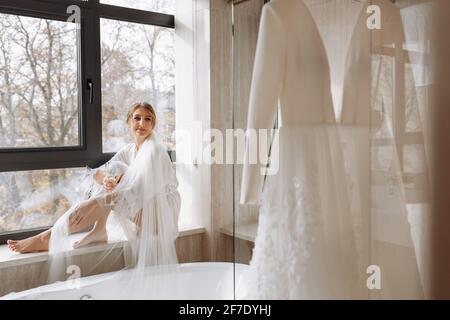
60	286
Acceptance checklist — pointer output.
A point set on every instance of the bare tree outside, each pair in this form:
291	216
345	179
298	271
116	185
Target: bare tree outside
38	108
38	83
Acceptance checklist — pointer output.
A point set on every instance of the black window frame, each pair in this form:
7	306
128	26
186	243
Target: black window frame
89	152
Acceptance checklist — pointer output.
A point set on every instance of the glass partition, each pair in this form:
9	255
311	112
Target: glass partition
378	55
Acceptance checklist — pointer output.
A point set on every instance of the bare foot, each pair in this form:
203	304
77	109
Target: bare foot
95	235
32	244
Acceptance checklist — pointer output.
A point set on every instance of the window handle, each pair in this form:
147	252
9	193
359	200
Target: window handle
90	88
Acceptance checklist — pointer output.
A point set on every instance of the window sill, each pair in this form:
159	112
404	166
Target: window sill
245	231
13	259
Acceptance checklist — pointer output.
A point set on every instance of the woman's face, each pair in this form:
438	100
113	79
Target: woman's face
141	123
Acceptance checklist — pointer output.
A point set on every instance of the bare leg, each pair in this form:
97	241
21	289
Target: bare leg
37	243
97	234
32	244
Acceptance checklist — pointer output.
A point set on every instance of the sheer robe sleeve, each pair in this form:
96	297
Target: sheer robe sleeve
267	77
123	155
95	188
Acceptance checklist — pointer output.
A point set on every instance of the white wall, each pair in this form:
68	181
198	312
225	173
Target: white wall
192	109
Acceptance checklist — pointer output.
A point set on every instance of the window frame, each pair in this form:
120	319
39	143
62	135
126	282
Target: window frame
89	152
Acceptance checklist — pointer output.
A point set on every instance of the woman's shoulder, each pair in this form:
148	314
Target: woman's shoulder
124	151
127	147
156	147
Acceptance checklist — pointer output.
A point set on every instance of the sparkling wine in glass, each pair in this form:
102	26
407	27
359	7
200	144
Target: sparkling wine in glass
111	176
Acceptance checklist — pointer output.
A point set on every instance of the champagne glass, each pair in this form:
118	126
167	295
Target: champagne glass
111	176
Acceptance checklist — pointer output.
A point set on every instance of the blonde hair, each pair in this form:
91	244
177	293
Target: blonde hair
146	106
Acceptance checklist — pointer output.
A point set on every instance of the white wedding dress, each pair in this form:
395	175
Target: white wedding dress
320	225
305	246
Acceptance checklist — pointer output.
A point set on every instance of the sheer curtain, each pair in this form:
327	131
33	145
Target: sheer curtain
418	26
384	137
400	142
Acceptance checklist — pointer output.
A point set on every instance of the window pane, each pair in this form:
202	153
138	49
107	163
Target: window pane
382	95
414	158
38	83
413	101
382	157
137	65
162	6
33	199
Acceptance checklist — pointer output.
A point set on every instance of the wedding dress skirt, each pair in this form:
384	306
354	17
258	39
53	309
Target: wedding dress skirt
305	246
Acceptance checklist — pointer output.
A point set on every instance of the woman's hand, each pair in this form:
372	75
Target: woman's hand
99	176
110	183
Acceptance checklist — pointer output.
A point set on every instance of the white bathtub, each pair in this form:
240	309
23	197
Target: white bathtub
197	281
